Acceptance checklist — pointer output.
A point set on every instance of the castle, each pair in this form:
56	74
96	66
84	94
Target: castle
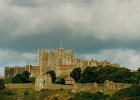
60	60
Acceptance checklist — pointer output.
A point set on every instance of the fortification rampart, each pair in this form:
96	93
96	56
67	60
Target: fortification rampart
61	61
93	87
78	87
59	86
20	86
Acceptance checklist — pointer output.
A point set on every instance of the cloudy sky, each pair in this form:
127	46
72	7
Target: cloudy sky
98	29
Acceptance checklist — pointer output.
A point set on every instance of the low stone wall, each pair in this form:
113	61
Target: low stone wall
87	87
110	85
20	86
59	86
93	87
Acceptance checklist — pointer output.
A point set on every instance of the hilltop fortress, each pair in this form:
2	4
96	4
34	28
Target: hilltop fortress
60	60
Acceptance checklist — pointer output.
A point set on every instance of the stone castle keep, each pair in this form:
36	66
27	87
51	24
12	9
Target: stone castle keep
60	60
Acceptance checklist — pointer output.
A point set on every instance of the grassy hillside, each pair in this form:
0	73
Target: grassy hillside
132	93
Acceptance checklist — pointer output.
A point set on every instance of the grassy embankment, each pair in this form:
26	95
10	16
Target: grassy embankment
132	93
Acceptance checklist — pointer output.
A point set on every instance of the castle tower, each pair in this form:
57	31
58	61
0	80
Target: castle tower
40	56
6	72
55	58
44	57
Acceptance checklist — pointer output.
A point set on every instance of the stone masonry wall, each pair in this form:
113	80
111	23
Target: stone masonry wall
21	86
88	87
59	86
93	87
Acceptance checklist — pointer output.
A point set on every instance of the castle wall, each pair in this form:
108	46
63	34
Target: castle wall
12	71
59	86
93	87
78	87
88	87
110	85
61	61
20	86
64	70
35	71
7	73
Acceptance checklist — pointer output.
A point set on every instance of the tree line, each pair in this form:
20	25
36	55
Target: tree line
101	73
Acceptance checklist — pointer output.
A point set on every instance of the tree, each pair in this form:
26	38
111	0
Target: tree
138	69
115	74
106	73
26	73
137	75
52	74
17	79
60	80
1	84
76	74
101	73
89	75
21	78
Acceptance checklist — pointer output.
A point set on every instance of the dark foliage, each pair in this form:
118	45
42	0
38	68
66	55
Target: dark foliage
21	78
132	93
88	75
53	75
76	74
1	84
60	81
7	92
90	96
99	74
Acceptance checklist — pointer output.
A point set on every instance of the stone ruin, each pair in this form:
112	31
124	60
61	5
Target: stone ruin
42	81
94	87
45	82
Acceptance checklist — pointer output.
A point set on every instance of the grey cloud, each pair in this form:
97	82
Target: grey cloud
51	39
100	18
125	57
12	58
87	26
39	3
31	3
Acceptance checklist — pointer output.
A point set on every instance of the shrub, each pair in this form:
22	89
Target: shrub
1	84
60	80
90	96
7	92
21	78
132	92
26	92
8	80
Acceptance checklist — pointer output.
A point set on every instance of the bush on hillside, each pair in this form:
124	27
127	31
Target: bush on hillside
101	73
2	84
21	78
132	93
60	80
90	96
